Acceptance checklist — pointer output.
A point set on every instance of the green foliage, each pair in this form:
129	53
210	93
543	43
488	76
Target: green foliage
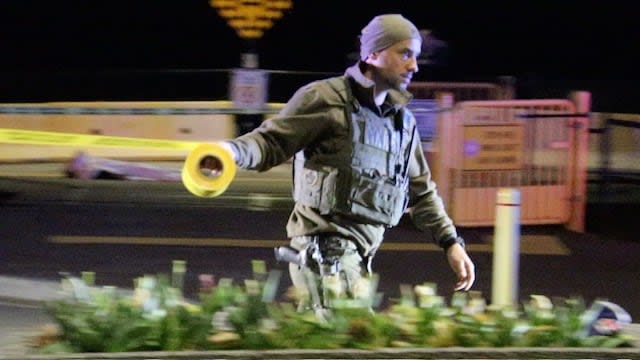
108	327
224	295
230	316
302	330
562	325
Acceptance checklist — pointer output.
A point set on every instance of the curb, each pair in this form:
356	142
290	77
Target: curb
23	291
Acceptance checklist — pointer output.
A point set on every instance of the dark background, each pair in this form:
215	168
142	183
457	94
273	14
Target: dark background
180	50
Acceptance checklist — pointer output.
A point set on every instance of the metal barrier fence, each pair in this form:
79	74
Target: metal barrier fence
539	146
606	174
606	149
466	91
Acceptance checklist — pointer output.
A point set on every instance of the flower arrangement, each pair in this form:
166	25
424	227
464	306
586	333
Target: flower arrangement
156	317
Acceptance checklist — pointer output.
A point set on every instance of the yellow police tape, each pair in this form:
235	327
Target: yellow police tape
198	180
217	180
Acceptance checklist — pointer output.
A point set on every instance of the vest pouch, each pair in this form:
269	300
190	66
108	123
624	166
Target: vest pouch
377	201
316	188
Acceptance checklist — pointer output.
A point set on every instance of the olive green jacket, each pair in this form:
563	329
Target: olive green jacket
315	116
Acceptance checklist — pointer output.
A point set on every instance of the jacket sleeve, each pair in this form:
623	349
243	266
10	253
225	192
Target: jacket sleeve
426	207
306	117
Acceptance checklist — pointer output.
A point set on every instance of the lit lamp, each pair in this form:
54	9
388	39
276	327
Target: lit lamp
248	85
250	19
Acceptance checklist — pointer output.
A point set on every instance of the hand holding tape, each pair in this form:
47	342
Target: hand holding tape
208	170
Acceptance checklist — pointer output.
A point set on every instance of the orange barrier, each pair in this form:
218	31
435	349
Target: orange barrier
538	146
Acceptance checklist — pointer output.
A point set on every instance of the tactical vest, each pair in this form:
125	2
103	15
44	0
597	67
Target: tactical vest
365	179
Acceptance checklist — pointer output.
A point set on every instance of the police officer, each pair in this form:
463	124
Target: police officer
358	165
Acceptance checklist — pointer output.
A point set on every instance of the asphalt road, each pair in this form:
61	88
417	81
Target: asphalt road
125	229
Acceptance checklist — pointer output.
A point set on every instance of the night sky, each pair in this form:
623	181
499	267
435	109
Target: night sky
61	50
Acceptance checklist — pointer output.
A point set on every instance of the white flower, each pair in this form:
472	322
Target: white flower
541	302
475	306
140	296
252	286
424	290
362	289
220	321
157	313
430	301
334	284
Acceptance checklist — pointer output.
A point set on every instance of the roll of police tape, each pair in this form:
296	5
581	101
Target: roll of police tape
208	169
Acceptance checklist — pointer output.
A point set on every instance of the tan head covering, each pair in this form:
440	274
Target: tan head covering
385	30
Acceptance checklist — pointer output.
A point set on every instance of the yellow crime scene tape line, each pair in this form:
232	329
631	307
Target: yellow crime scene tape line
199	183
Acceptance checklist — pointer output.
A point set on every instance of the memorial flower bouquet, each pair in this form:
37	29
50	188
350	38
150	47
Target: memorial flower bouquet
155	316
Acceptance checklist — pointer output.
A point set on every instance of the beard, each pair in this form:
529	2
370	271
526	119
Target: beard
387	80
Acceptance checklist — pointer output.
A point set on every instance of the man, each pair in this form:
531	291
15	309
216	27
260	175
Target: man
358	165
